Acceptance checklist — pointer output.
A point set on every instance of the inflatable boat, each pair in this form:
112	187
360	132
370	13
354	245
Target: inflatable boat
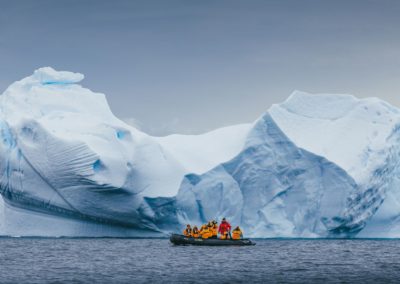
183	240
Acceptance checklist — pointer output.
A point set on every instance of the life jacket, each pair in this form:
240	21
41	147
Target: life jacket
214	230
236	234
210	229
187	232
195	233
205	233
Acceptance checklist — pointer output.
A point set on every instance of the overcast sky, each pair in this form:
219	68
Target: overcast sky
192	66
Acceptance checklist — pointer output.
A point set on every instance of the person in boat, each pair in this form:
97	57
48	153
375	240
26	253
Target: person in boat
210	228
224	229
237	234
205	232
195	232
187	232
214	229
201	230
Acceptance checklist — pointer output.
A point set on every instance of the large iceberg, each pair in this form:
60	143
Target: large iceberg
66	158
313	166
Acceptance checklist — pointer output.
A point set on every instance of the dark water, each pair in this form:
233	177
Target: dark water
156	261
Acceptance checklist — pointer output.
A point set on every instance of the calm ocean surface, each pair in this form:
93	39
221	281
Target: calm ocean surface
24	260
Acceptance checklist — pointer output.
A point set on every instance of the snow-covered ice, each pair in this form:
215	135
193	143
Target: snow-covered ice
341	128
272	188
313	166
65	154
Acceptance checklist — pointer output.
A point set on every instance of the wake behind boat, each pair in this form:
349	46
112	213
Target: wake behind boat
183	240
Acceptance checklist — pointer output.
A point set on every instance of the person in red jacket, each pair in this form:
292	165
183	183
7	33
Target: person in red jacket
224	228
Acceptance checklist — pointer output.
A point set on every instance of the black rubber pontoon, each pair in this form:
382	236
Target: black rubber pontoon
182	240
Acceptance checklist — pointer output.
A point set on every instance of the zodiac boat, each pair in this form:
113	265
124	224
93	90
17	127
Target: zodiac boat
183	240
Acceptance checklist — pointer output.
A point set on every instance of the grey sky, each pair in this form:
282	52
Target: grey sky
192	66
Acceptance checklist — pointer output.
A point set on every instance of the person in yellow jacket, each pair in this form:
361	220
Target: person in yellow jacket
214	229
201	230
237	233
210	228
205	232
195	232
187	232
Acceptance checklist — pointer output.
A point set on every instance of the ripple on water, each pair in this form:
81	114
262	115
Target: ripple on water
157	261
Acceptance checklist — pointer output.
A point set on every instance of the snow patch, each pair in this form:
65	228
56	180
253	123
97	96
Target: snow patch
49	76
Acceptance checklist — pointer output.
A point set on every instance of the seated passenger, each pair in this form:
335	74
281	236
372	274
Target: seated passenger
188	231
195	232
214	229
201	230
205	232
210	228
237	234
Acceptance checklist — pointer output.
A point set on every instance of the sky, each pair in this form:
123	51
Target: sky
186	66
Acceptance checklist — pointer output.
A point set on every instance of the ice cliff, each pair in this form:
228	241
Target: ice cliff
313	166
65	155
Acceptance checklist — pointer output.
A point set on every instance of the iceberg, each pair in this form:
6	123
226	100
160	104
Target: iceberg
316	165
313	166
272	189
362	137
66	157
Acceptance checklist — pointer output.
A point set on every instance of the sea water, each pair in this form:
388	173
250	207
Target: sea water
32	260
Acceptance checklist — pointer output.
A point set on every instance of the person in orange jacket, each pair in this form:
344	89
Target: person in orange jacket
195	232
205	232
237	234
187	232
214	229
